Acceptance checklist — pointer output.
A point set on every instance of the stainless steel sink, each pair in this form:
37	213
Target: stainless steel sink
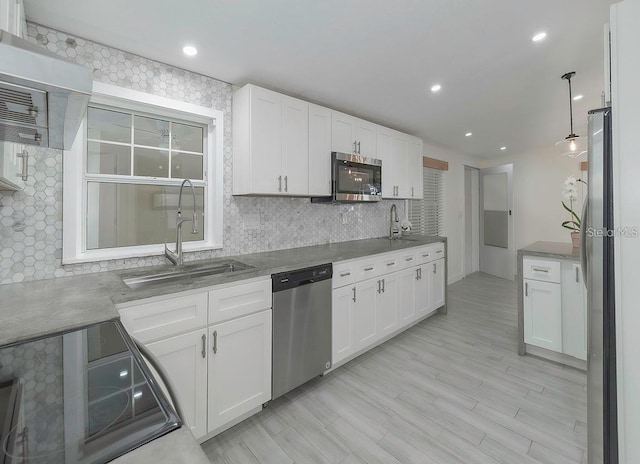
189	271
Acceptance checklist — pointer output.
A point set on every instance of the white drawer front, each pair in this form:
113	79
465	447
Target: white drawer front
367	268
424	255
239	300
343	274
437	251
390	263
543	270
408	258
165	318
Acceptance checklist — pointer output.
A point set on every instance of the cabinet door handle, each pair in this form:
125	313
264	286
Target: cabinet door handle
378	287
382	285
577	277
526	289
411	191
215	341
345	274
408	259
359	148
279	183
354	294
24	175
426	255
418	274
204	346
286	183
434	268
439	251
538	269
368	269
355	147
392	263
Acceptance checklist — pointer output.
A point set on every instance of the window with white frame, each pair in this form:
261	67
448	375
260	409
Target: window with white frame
427	215
122	177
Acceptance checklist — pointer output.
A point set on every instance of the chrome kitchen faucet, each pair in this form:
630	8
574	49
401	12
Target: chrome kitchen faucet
176	257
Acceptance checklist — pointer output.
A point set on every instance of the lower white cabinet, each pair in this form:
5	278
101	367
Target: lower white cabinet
574	311
543	314
367	309
555	306
342	323
239	367
437	283
184	358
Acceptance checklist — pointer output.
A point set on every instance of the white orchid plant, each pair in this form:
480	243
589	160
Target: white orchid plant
570	194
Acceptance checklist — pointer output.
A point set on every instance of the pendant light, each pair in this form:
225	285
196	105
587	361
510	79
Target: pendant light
572	145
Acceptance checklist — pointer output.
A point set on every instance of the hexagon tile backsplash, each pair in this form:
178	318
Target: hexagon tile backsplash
31	219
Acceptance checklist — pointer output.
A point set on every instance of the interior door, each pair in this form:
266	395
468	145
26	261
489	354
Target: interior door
496	221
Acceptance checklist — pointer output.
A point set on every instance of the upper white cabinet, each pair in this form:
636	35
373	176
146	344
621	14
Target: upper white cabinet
319	150
14	162
12	17
401	156
282	146
352	135
270	143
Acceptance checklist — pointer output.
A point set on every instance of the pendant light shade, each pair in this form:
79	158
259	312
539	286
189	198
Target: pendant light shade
572	145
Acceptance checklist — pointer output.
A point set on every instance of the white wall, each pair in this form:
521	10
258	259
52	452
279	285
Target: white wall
454	205
538	177
626	171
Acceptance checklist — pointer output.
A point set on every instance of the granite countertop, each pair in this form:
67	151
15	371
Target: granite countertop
551	250
39	308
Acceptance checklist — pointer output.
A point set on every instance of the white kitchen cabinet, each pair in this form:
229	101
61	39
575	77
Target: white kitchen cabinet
342	323
414	168
319	150
543	314
365	319
12	18
574	311
184	357
437	279
408	296
295	146
401	157
13	166
270	143
389	166
387	305
352	135
239	367
423	276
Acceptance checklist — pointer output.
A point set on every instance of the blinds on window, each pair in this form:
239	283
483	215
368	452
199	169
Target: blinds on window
427	215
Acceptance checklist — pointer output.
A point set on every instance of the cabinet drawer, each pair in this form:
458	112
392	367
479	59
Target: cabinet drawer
543	270
390	263
164	318
437	251
367	268
239	300
343	274
424	255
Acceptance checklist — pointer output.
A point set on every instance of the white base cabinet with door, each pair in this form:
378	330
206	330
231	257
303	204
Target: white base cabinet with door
554	310
215	345
376	297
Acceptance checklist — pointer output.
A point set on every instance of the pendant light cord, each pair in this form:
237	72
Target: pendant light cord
570	105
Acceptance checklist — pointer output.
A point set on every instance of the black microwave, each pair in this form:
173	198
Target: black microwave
355	178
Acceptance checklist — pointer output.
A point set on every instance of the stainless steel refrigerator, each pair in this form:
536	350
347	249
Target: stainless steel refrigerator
597	266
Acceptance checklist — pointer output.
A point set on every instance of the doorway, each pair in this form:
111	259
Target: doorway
496	221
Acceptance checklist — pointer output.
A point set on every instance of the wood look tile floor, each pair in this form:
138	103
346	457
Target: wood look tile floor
450	390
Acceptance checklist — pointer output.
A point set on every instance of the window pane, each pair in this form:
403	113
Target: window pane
109	125
133	214
150	132
106	158
186	138
149	162
185	166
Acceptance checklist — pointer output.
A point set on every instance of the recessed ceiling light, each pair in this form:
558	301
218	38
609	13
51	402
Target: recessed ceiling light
436	88
539	36
189	50
578	97
468	134
503	148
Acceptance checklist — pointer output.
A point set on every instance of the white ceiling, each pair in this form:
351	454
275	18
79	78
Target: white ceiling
378	58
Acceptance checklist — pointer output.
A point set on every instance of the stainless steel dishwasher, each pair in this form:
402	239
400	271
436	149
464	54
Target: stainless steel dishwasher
301	327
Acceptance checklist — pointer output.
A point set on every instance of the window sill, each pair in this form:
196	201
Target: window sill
134	252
